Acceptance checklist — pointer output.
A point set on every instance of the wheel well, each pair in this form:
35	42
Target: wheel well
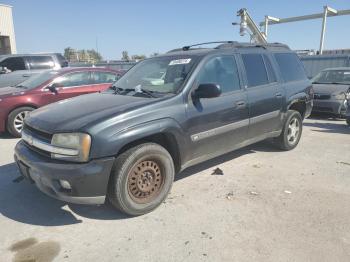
300	107
166	140
13	109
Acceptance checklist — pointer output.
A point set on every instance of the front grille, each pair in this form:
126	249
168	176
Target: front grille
38	150
322	96
46	137
40	135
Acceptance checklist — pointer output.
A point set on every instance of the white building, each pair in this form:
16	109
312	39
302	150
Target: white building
7	32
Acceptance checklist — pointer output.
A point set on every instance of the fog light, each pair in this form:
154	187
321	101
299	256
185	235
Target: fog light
65	184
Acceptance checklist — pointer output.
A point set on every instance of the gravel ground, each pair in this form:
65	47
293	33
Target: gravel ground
267	206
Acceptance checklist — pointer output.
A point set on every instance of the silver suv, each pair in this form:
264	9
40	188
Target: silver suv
14	69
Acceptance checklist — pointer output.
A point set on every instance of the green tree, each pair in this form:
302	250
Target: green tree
68	52
94	56
138	57
125	56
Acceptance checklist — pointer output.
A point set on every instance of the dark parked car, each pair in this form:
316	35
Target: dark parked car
128	143
46	88
332	87
347	114
17	68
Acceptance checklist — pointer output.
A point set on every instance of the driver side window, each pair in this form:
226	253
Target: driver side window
222	71
74	79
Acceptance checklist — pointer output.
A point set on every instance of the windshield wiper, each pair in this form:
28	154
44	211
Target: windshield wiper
330	83
118	90
146	92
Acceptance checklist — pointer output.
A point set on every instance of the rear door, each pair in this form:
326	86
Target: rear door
265	95
216	125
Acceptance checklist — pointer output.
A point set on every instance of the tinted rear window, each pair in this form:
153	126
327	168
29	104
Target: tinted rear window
41	62
290	66
255	70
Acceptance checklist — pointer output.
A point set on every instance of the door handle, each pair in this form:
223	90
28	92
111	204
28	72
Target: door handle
240	104
278	95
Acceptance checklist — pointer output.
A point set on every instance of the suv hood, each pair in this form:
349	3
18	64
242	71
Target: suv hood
73	114
330	88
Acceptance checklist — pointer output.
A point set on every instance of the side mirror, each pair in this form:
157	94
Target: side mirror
53	88
207	91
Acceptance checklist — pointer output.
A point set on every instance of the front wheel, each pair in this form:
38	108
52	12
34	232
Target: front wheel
291	132
15	120
141	179
348	121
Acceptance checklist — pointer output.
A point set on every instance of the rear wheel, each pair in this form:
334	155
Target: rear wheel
141	179
15	120
291	132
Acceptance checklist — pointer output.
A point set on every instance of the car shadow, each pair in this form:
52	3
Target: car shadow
333	125
23	202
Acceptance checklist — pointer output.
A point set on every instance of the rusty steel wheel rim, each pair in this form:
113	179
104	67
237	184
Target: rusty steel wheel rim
145	181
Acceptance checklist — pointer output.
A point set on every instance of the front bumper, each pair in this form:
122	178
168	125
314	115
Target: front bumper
88	181
337	107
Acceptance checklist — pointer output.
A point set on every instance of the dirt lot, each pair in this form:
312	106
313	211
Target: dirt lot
268	206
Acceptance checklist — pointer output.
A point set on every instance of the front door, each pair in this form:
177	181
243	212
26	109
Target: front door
67	86
216	125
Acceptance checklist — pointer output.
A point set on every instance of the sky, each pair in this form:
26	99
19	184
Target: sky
148	26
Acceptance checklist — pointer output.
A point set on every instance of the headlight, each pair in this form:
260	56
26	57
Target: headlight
340	96
75	146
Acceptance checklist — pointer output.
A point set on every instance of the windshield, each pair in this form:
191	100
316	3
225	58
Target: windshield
36	80
160	74
332	77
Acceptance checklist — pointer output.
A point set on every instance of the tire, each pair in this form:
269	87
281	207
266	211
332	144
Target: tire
141	179
15	120
292	130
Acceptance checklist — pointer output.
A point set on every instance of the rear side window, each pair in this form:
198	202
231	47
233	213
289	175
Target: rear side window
290	66
41	62
255	70
270	71
14	63
222	71
104	77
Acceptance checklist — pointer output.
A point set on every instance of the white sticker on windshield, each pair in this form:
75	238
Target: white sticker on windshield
180	62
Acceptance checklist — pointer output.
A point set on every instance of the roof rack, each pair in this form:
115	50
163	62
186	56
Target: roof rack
232	44
186	48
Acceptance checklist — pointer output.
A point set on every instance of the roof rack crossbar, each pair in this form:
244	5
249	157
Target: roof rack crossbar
186	48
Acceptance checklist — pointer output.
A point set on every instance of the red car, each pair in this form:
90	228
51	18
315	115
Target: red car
48	87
